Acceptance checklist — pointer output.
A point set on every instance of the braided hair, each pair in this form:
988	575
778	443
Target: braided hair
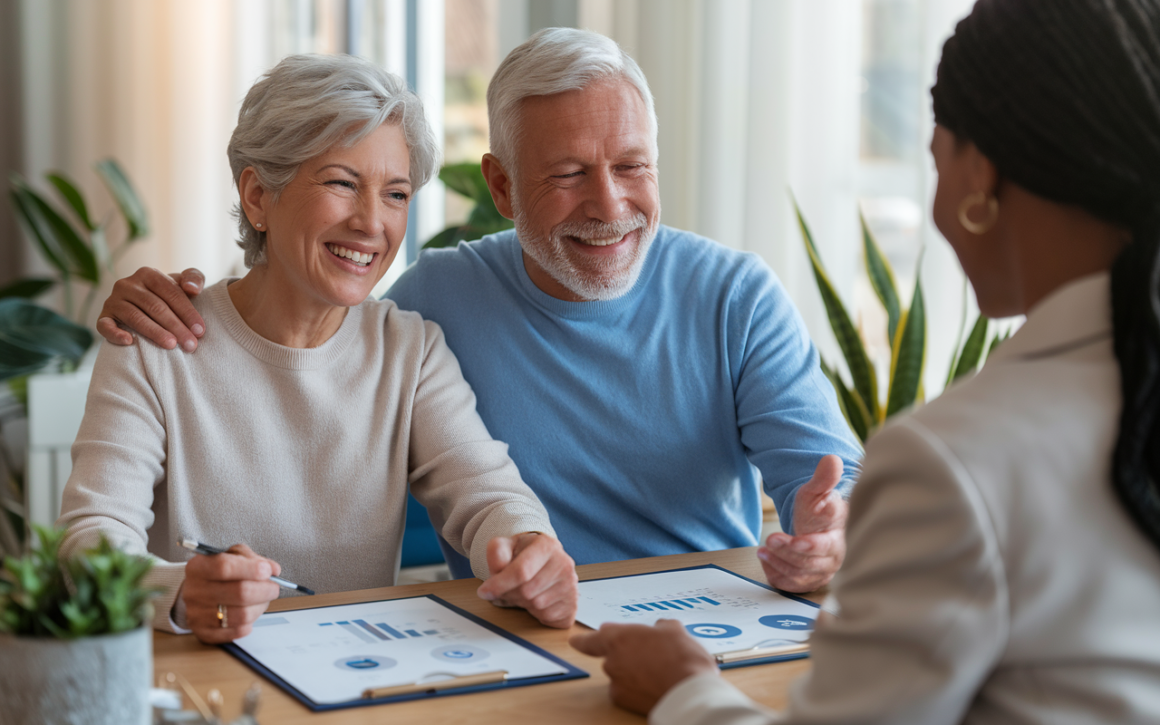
1063	96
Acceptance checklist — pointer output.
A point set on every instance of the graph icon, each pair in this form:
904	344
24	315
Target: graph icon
787	621
668	605
365	663
378	632
712	631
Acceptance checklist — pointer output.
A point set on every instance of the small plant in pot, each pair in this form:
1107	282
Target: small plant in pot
75	643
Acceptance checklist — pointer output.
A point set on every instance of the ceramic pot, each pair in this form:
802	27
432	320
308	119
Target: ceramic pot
89	681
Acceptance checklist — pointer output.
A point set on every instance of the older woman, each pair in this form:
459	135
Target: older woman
308	409
1004	563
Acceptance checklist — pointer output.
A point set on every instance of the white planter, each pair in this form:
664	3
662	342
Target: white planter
89	681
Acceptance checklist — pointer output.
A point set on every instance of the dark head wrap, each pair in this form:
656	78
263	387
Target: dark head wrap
1063	96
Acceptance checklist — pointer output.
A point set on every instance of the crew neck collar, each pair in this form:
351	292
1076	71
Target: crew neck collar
271	353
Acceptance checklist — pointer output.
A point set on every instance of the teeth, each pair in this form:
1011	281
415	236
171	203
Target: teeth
359	258
600	242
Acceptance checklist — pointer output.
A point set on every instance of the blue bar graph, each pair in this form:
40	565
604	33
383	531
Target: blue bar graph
390	630
356	631
412	632
668	605
370	629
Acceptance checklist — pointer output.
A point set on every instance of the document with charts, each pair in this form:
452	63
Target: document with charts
327	656
723	611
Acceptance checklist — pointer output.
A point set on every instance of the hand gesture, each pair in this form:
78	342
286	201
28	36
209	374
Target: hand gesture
645	662
809	559
238	581
155	305
532	571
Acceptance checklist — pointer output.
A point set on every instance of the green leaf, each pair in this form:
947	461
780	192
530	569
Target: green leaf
84	262
449	237
908	354
127	199
861	369
31	336
466	180
486	219
27	288
881	277
37	227
72	197
851	405
972	349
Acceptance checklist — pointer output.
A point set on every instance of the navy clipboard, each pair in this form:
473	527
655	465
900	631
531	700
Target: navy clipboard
570	671
763	585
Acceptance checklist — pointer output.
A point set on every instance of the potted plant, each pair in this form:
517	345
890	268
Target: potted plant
467	180
35	339
864	408
75	643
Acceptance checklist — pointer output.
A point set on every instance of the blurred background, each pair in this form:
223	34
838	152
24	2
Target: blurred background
828	98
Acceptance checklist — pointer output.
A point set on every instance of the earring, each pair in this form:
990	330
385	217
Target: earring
258	225
992	205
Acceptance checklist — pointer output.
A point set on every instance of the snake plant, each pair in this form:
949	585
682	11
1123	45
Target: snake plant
861	401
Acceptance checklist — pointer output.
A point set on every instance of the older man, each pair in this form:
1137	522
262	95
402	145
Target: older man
639	374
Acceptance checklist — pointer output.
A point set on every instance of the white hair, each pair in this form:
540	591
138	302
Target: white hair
308	103
552	61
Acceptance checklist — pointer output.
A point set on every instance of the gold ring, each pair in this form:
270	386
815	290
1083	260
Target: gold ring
223	620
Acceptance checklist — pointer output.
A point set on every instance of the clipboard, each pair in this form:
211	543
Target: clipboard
468	683
665	604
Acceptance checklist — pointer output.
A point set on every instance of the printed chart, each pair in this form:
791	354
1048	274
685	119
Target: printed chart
332	654
724	612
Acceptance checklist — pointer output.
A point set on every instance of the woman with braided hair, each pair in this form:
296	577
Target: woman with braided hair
1004	541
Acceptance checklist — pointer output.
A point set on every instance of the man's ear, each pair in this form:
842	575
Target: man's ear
499	182
253	196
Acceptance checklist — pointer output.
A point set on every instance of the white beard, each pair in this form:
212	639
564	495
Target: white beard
600	278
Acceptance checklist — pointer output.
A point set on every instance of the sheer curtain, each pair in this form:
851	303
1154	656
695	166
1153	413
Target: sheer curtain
157	85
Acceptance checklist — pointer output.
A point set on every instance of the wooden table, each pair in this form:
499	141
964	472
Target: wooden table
573	701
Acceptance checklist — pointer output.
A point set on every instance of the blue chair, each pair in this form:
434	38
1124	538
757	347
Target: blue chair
421	545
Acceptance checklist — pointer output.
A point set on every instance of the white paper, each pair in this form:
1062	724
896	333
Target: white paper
723	612
332	654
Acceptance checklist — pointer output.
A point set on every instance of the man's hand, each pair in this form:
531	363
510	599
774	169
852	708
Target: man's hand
157	306
809	559
645	662
239	581
532	571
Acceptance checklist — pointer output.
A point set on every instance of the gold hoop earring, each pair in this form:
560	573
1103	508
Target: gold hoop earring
992	205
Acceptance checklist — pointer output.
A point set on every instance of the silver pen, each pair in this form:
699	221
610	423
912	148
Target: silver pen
208	550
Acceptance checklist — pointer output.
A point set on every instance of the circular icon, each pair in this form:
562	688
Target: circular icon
363	663
712	631
787	621
460	653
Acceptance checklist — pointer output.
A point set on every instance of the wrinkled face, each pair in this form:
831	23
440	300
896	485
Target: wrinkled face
336	227
584	192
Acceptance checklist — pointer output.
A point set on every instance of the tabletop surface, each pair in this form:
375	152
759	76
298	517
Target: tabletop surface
573	701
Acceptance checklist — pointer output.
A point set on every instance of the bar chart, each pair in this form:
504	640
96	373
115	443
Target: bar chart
725	613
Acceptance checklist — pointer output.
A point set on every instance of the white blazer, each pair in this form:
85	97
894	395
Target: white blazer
993	575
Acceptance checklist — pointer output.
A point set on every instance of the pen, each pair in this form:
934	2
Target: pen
483	678
754	653
211	550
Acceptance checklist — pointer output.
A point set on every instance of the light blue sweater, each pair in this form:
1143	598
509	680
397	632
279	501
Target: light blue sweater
639	421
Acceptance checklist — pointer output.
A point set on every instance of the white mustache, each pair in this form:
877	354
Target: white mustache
600	230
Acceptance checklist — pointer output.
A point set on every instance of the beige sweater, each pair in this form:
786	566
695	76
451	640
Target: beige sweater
304	455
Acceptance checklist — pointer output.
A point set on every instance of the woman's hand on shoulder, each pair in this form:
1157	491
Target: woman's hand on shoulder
155	305
532	571
238	582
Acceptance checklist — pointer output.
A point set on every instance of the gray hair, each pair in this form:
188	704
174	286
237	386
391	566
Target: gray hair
552	61
308	103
